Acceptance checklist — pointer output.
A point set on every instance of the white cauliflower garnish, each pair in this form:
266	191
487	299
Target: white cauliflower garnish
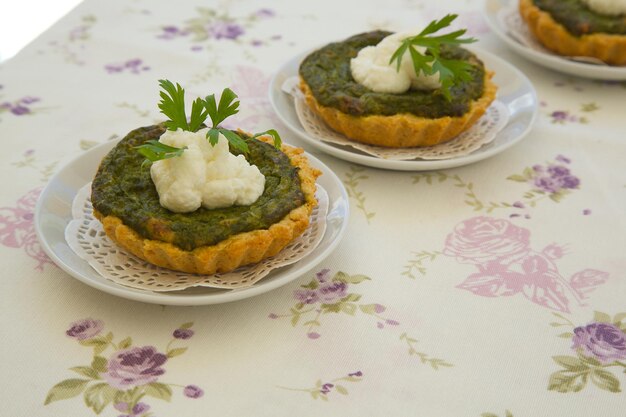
372	69
204	175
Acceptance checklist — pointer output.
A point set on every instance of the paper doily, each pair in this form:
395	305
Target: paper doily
86	237
481	133
512	21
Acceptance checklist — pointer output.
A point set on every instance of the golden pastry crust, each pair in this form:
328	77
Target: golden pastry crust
402	130
238	250
606	47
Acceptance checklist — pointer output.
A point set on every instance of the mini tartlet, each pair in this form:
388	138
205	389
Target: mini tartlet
570	28
411	119
205	241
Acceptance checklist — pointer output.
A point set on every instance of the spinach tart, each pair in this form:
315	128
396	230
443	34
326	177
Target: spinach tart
205	241
572	28
413	118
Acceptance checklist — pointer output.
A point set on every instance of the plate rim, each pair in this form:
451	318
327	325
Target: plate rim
275	90
553	62
292	273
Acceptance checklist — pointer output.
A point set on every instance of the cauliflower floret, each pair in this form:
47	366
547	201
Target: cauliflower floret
371	68
204	175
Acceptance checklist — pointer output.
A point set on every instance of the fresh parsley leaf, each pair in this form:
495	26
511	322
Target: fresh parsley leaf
154	150
173	105
450	71
237	141
274	134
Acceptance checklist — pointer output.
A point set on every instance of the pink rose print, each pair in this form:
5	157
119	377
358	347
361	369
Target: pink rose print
133	367
18	231
484	239
507	265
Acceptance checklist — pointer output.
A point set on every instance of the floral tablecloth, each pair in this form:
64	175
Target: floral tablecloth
494	289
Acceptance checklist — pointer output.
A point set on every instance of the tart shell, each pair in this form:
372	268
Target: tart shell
606	47
238	250
402	130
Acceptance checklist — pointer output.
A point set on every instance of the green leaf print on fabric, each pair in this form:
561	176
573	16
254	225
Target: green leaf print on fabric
211	25
73	47
415	264
434	363
600	348
125	376
352	182
322	390
325	295
552	180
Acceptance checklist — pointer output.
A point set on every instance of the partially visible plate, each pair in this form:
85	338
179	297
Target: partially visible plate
54	211
514	90
491	8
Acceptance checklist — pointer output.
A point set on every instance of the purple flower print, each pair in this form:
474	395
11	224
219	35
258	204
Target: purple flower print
137	410
563	159
20	107
121	406
356	374
171	32
134	66
330	292
140	408
193	391
603	341
558	171
547	184
85	329
326	388
306	296
323	275
554	178
559	116
20	110
484	239
225	30
134	366
264	13
29	100
569	182
183	334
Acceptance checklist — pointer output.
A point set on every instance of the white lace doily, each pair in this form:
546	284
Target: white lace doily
510	19
482	133
85	235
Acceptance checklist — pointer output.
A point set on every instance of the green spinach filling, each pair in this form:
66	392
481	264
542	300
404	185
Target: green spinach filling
327	72
124	189
580	20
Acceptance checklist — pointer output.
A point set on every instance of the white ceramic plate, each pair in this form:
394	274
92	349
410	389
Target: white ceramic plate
552	61
53	213
514	90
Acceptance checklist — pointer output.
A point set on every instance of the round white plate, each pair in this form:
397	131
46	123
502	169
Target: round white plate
514	90
546	59
53	213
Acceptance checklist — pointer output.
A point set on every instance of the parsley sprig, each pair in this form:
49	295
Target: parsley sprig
172	105
451	71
